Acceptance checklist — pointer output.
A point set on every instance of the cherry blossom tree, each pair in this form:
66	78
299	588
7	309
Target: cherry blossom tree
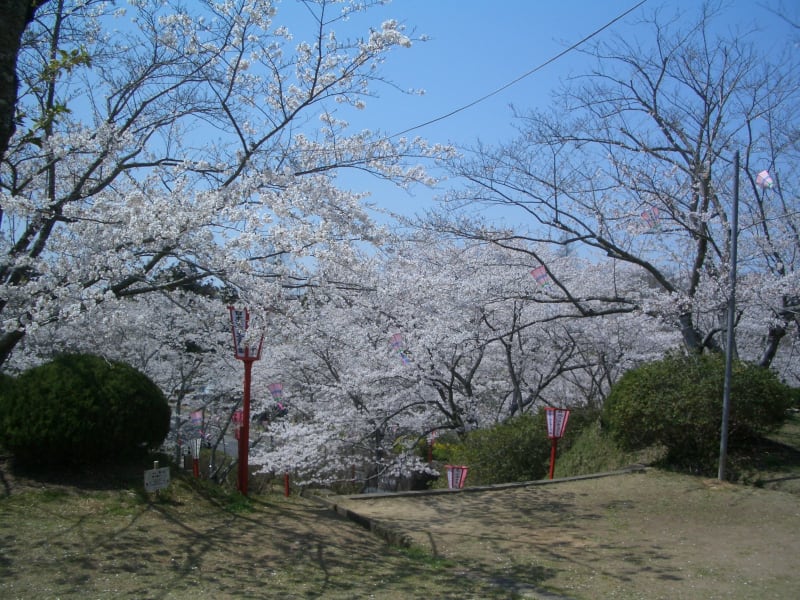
374	355
172	145
634	164
435	336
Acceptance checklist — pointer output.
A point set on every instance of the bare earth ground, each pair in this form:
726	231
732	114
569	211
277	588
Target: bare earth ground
104	541
640	535
646	535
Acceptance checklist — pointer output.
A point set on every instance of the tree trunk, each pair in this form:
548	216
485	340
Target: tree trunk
691	337
8	342
17	14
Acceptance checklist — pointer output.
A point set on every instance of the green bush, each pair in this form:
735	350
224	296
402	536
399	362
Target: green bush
82	409
516	450
7	383
677	402
796	398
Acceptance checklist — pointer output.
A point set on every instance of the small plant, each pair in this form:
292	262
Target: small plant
238	503
421	555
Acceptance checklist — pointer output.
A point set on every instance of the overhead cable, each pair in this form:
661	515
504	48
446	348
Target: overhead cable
524	75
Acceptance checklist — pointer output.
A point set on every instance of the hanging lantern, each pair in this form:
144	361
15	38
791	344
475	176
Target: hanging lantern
556	424
556	421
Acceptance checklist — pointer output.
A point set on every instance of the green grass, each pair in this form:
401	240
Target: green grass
789	433
51	495
424	556
594	452
772	462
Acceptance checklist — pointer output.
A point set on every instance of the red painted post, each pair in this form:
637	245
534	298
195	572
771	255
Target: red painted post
195	445
244	431
247	353
553	456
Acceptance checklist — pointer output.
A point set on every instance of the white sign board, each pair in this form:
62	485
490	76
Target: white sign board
156	479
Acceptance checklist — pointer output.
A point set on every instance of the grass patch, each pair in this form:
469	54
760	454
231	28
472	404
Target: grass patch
124	503
651	534
52	495
423	555
772	462
237	503
774	459
228	499
789	433
594	452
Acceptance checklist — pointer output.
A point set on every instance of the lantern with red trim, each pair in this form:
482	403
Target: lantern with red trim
556	424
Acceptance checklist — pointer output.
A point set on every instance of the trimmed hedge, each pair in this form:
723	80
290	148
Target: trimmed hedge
82	409
677	402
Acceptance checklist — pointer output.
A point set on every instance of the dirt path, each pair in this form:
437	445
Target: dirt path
640	535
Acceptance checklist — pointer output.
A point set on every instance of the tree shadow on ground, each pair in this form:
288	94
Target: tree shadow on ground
187	543
111	476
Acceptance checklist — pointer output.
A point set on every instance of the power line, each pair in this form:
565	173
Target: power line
524	75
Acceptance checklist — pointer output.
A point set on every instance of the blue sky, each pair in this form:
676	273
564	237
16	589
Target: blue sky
476	47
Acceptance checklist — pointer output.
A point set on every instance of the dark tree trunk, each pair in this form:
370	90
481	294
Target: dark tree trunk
16	15
692	338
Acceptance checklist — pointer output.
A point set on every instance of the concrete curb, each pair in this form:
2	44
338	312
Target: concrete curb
496	487
397	538
394	537
389	534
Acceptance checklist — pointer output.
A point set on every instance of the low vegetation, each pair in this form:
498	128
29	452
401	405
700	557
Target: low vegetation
667	413
676	403
81	409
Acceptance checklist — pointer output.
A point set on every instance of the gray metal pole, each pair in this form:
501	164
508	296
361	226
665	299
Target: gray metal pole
729	342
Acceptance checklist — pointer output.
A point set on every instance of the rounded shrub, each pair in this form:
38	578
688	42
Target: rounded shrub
677	403
82	409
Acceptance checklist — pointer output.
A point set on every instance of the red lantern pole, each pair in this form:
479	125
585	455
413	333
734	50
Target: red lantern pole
196	443
553	456
247	354
556	424
244	430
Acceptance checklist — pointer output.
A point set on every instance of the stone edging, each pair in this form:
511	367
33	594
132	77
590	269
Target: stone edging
396	538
